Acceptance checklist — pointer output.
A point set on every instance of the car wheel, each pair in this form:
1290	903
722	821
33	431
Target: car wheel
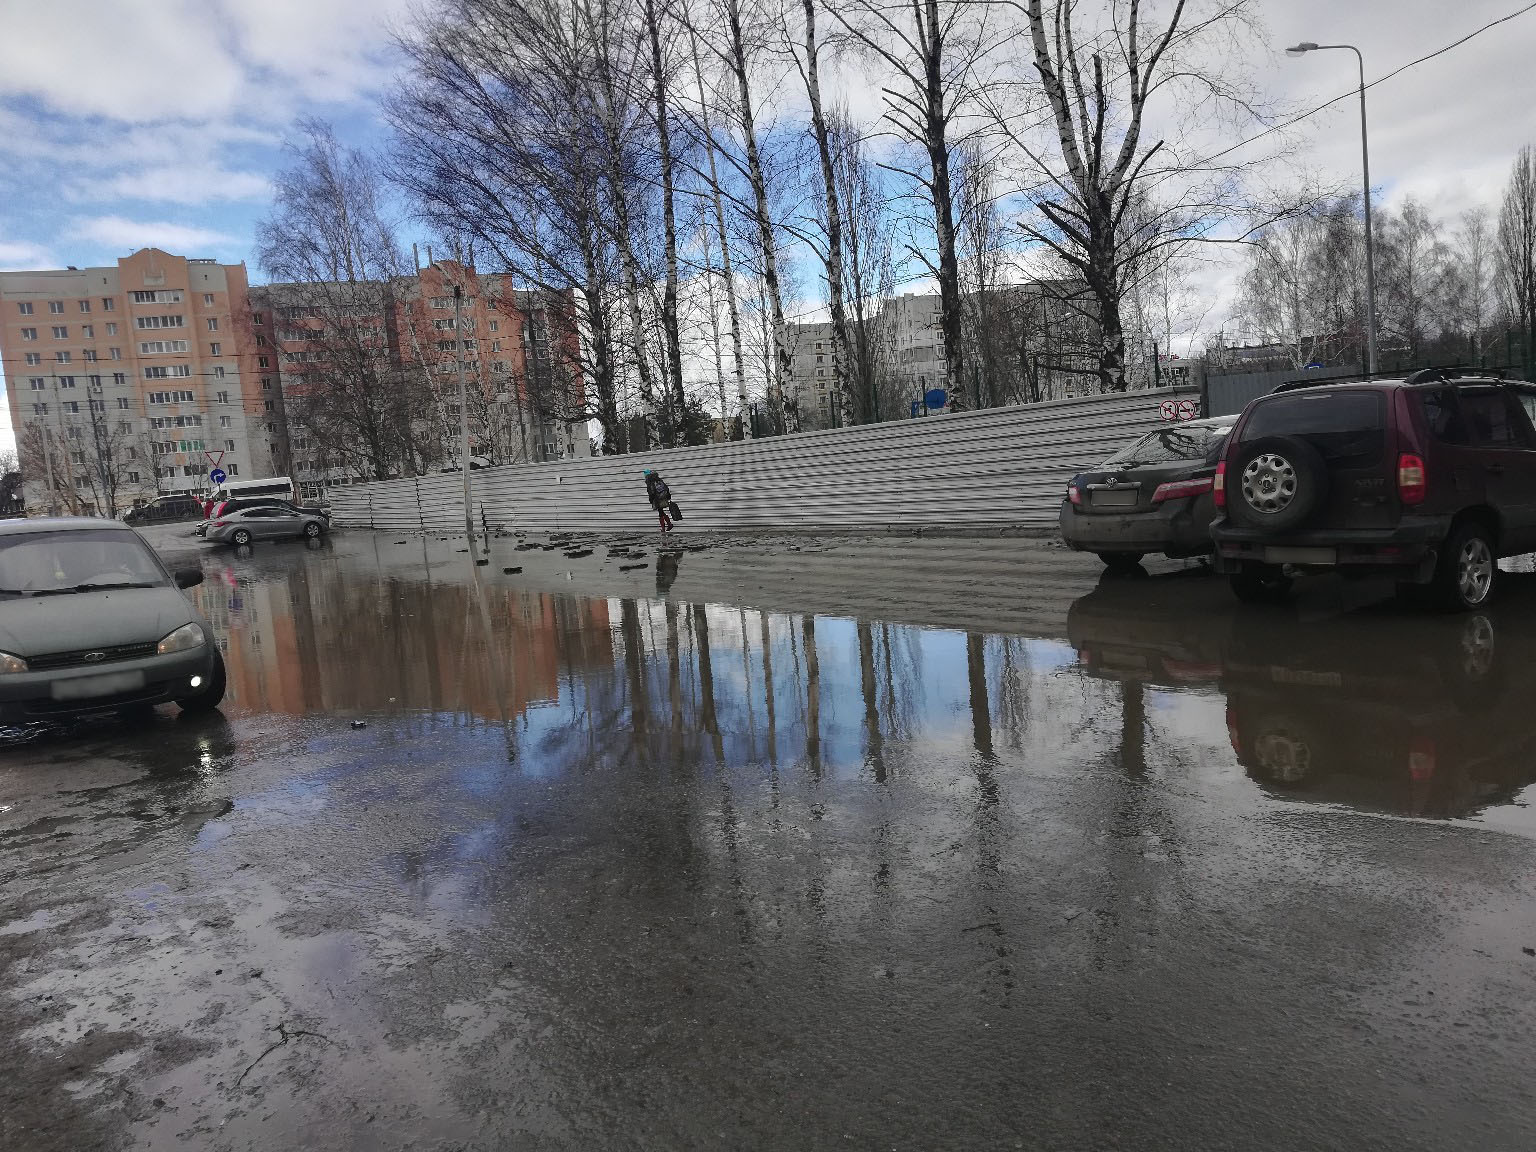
1467	571
1261	584
211	694
1121	561
312	530
1275	483
240	538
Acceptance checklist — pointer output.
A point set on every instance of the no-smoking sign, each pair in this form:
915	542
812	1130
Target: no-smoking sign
1178	409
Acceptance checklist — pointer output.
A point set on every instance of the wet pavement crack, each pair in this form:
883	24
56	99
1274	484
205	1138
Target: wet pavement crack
285	1034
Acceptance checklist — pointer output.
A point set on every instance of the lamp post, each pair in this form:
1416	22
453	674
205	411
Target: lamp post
1365	166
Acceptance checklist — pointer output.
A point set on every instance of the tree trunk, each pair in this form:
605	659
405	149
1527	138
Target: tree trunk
943	198
678	397
834	260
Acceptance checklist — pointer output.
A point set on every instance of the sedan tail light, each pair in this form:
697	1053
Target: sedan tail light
1219	485
1412	482
1074	494
1178	489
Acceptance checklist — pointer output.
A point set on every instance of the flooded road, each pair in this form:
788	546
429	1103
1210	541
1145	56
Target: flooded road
472	861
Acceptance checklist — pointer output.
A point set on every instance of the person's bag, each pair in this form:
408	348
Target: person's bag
674	511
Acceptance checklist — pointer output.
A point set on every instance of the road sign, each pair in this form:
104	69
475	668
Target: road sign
916	407
936	397
217	476
214	458
1188	409
1167	410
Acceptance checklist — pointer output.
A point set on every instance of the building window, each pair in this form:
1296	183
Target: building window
223	397
218	371
72	406
256	319
169	372
120	378
25	307
116	353
87	332
56	307
442	301
108	304
37	383
93	382
112	328
207	299
147	322
124	426
223	421
122	403
495	326
40	409
229	445
165	296
233	469
61	357
213	323
89	355
263	363
266	383
215	349
34	357
160	347
261	341
29	333
85	305
61	331
98	406
66	381
267	406
170	397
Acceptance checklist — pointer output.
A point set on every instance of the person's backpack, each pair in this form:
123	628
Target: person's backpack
663	493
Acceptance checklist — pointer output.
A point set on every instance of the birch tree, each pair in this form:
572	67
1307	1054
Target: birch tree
1517	249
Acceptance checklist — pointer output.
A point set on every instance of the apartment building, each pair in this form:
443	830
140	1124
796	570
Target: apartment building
812	381
132	380
521	359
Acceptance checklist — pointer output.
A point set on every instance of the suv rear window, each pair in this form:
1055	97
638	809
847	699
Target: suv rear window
1169	445
1346	426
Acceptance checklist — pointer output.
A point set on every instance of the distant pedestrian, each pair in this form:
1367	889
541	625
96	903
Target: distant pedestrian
660	496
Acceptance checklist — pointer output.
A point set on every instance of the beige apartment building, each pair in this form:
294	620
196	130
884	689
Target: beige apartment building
134	380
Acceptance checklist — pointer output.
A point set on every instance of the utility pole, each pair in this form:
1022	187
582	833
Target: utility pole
458	343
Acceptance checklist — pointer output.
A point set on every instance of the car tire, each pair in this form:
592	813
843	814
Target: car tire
1121	561
211	694
239	537
312	530
1261	584
1466	573
1275	484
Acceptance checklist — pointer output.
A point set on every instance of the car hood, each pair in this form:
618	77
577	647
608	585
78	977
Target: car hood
36	625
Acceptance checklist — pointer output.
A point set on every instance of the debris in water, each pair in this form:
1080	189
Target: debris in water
482	562
578	553
359	724
512	571
633	567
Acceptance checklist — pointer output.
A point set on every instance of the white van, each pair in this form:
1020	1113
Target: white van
280	487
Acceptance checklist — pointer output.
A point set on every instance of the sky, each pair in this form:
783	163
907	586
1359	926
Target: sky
127	123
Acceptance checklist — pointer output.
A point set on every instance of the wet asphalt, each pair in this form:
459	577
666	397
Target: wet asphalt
471	861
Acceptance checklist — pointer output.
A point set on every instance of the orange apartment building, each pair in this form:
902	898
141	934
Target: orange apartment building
133	380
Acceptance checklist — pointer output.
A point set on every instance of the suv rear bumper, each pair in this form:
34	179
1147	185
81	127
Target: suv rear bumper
1408	549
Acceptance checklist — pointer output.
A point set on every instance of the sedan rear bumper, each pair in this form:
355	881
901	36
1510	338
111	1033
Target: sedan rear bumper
1175	528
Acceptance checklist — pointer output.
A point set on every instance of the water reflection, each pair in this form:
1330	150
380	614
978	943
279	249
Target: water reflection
1385	711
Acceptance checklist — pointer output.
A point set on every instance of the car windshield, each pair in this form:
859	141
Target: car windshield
78	560
1169	445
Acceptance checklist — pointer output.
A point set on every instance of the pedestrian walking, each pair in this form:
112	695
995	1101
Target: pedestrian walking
660	496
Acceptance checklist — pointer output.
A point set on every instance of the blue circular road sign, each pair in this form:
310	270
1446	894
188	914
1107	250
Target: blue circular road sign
217	476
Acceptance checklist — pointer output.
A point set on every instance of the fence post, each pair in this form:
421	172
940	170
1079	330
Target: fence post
421	521
371	526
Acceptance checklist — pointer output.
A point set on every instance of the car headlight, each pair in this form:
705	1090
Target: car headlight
9	663
185	637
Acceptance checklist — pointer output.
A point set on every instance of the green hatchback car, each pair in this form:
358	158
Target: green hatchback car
92	621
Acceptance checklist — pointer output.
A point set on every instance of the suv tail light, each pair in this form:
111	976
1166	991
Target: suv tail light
1411	480
1178	489
1219	484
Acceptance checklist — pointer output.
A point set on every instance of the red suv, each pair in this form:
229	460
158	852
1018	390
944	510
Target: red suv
1430	478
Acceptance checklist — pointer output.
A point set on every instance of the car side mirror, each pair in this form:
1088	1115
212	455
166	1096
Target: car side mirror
188	577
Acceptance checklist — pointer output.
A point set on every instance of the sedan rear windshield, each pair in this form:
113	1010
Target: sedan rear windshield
1169	445
79	560
1345	426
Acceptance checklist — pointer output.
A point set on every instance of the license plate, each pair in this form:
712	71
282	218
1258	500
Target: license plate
1301	555
1123	499
89	687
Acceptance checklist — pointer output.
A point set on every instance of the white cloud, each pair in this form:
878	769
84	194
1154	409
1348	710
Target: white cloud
124	235
174	184
22	256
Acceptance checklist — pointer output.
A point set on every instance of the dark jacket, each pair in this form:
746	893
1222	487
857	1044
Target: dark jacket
657	491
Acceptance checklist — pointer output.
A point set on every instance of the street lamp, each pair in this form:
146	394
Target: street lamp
1365	165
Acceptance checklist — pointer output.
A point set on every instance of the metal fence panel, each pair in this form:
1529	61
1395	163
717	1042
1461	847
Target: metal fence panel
1230	393
995	468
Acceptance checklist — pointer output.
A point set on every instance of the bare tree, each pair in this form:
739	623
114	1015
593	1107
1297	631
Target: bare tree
981	239
658	22
1475	269
1098	178
1413	272
870	278
1517	249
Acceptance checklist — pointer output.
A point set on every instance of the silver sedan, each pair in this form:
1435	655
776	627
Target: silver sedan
270	523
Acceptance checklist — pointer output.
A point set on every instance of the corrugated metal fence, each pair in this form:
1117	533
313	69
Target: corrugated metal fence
995	468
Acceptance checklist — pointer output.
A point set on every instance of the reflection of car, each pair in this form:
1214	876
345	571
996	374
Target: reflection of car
235	504
265	523
165	510
1154	495
1429	479
1358	709
91	621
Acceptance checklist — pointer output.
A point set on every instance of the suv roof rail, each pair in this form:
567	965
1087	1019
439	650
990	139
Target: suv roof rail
1454	372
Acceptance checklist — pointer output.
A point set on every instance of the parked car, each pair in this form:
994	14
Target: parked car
165	510
244	525
1154	495
225	507
1429	479
92	621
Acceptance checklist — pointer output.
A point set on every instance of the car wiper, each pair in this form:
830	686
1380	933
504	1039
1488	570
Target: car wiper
108	587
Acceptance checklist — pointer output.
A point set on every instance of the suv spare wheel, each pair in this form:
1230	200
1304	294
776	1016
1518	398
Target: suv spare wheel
1275	483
